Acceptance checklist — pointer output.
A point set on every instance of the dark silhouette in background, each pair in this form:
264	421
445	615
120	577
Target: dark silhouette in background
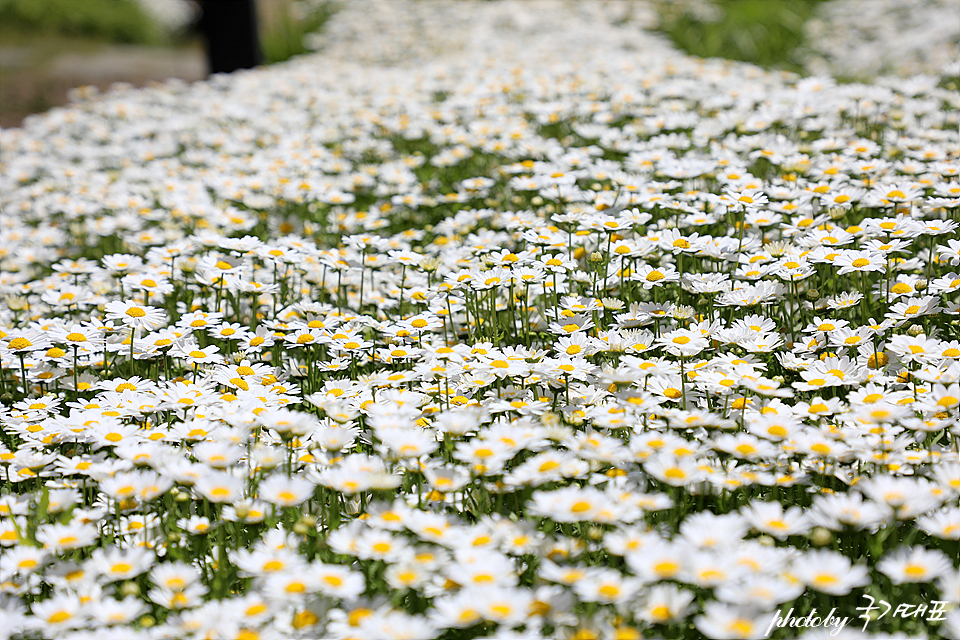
230	30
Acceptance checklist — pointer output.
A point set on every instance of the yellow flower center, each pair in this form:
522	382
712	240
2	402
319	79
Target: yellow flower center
915	571
666	568
660	613
609	590
580	507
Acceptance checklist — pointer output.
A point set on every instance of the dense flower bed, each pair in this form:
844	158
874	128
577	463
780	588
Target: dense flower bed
862	38
490	320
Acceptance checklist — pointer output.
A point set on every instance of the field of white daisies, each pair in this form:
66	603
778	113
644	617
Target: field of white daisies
489	320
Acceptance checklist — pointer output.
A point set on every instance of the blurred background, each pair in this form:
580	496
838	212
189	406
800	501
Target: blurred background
48	47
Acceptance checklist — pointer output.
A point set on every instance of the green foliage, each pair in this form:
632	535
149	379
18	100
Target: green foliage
764	32
284	38
111	20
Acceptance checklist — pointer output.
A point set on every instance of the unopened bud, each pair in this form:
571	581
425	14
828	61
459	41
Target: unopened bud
682	312
821	536
813	294
915	330
16	303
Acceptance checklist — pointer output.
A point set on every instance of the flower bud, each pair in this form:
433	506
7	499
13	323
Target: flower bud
821	536
612	304
16	303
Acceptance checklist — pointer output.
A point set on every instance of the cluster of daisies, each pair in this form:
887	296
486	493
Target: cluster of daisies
848	38
491	320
